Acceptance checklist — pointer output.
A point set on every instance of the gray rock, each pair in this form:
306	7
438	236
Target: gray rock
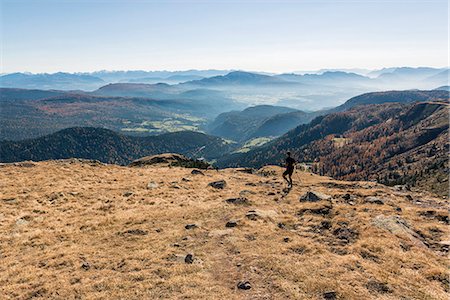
397	226
22	221
128	194
314	197
221	184
9	200
152	185
374	200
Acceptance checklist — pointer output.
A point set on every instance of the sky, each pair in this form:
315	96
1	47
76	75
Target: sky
274	36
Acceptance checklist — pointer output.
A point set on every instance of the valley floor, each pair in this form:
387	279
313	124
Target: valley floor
84	230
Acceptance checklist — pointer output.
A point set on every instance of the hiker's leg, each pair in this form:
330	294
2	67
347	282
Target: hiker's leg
285	178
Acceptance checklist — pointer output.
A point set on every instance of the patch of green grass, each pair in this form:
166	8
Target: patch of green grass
256	142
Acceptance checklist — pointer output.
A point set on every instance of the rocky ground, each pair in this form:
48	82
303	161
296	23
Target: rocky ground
84	230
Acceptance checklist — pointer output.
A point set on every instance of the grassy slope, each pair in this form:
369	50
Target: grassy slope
66	231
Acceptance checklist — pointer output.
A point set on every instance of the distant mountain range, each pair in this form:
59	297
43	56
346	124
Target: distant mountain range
59	80
110	147
237	78
301	91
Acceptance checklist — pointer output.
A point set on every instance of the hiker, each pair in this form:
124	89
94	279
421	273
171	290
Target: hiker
290	163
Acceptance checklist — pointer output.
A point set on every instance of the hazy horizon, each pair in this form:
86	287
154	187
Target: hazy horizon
312	71
48	36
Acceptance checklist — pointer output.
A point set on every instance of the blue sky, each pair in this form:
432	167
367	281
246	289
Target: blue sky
274	36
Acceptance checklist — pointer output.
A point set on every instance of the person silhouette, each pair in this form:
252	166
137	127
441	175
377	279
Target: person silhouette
287	175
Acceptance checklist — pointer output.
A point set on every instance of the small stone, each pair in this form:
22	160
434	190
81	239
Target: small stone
22	221
346	197
286	240
127	194
189	259
244	285
252	215
331	295
190	226
152	185
240	200
85	265
221	184
398	209
374	200
135	232
174	186
231	224
244	193
197	172
10	200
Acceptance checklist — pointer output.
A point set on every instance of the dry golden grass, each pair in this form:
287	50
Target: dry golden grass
71	230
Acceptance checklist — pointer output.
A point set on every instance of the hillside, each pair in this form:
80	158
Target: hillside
74	229
242	125
110	147
33	113
394	96
282	123
391	143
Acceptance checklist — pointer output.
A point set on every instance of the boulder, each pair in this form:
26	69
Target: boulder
397	226
314	197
